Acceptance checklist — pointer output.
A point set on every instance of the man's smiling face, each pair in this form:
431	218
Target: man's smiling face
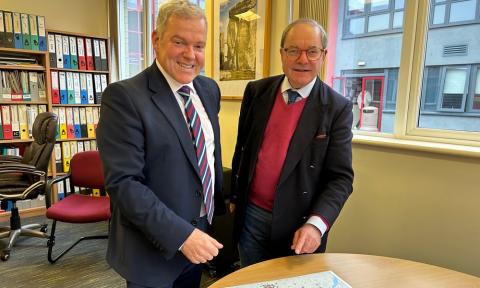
181	48
300	71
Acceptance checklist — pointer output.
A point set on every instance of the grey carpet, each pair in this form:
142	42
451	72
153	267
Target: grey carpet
83	266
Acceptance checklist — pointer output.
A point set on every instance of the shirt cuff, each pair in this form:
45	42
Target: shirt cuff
318	222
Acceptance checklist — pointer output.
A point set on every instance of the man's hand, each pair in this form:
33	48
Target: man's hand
200	248
307	239
231	207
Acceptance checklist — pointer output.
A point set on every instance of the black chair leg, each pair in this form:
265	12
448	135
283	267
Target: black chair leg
51	243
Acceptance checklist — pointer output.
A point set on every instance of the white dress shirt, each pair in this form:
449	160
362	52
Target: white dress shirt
205	121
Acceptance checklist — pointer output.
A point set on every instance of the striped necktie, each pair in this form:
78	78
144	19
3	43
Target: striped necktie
201	150
292	96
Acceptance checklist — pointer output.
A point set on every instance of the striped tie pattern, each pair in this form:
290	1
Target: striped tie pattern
201	150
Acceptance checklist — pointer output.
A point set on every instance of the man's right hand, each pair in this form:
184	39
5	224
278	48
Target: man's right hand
231	207
200	247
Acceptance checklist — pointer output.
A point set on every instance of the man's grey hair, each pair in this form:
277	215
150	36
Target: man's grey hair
179	8
312	23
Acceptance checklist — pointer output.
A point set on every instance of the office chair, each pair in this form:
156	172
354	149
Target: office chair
79	206
25	177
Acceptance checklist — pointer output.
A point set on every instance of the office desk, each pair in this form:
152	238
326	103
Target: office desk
357	270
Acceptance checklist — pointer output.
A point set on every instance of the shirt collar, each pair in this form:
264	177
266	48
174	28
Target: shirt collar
174	84
304	91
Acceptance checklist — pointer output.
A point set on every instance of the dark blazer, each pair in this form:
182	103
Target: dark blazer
317	174
151	174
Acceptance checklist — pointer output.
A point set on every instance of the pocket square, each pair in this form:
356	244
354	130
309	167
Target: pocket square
321	135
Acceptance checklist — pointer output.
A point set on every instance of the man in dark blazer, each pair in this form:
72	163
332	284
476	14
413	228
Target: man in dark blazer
292	165
151	162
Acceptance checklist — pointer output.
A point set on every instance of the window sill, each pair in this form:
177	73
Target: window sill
415	145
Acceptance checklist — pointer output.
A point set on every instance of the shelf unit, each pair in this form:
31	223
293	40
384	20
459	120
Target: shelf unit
43	67
74	106
43	59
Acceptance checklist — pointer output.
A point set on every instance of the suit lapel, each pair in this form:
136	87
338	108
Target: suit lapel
167	104
308	124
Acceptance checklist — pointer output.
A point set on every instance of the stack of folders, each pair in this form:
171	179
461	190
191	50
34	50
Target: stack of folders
77	88
76	122
22	31
63	153
16	121
19	85
74	52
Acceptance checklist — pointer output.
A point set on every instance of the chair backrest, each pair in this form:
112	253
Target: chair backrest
39	152
87	170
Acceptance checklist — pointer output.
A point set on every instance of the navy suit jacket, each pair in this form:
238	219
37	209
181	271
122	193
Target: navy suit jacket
317	175
151	174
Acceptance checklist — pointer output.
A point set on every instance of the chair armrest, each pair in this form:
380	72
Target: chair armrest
48	188
11	167
18	170
10	158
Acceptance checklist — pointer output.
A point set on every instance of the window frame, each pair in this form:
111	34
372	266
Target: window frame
475	72
443	77
366	15
446	17
410	83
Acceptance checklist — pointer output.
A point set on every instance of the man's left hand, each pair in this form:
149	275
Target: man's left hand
307	239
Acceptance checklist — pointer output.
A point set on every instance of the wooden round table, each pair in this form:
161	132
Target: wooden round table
355	269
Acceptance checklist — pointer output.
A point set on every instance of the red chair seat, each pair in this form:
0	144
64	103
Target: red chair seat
78	208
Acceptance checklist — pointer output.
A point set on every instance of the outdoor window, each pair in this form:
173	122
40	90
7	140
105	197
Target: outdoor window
131	42
137	20
476	93
454	11
372	17
449	94
454	92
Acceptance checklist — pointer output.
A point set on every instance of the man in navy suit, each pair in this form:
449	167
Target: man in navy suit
292	165
151	130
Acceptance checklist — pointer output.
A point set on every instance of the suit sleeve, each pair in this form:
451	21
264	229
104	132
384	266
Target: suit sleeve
121	139
337	169
241	135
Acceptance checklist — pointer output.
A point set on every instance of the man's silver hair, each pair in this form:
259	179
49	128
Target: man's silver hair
179	8
312	23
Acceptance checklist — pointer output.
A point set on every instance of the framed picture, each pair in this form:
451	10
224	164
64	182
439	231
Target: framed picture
241	32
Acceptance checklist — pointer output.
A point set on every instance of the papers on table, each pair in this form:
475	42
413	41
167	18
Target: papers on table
326	279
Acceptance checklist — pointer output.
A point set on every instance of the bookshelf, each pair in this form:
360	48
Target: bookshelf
82	76
78	110
24	92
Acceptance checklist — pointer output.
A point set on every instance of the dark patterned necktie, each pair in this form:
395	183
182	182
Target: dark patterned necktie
292	96
201	149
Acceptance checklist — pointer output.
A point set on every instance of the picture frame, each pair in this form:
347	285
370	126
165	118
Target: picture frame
241	44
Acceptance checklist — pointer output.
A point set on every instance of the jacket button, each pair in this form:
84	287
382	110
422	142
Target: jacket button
304	192
242	148
312	166
198	193
194	223
304	217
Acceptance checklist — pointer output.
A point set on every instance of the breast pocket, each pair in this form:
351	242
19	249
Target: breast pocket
318	151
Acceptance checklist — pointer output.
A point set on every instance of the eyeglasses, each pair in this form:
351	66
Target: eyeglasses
313	54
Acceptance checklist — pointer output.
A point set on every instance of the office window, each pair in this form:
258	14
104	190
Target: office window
137	20
131	40
454	11
449	97
372	17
